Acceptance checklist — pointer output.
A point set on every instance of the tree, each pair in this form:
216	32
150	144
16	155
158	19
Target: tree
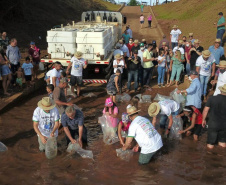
133	3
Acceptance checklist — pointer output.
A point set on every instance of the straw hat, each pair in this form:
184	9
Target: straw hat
206	54
218	40
118	56
78	54
120	41
153	109
46	103
180	42
175	26
222	88
190	34
131	110
197	41
222	64
136	42
143	40
164	43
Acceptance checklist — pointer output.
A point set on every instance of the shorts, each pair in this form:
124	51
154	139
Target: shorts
111	93
19	81
76	80
197	129
145	158
27	77
142	22
5	70
215	136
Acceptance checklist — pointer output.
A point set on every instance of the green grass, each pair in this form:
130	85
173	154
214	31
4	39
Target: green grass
109	6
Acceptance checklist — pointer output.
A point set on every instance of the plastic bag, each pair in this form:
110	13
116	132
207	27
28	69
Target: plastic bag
177	126
110	137
160	97
41	66
118	98
3	148
124	155
51	148
72	148
146	98
89	95
179	98
125	97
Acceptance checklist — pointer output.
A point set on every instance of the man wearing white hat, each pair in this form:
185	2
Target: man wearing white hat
216	108
45	121
221	77
166	108
148	139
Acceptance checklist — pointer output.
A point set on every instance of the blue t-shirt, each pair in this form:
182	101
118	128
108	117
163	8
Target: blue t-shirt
27	68
217	53
73	123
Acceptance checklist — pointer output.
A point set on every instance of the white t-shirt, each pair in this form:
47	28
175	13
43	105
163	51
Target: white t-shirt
175	35
46	121
121	63
118	51
168	106
125	49
145	134
220	82
205	66
140	54
77	66
163	64
54	73
178	48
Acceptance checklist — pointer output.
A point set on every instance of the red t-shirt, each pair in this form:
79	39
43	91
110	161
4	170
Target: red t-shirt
187	49
35	54
130	46
198	120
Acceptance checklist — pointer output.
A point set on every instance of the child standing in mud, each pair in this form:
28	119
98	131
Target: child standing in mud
19	77
28	70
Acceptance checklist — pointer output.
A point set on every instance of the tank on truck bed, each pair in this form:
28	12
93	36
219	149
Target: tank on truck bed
95	36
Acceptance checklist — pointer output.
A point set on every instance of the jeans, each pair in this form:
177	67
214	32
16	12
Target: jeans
140	75
142	9
163	119
76	132
204	81
220	34
174	44
176	69
161	74
147	75
149	23
188	69
134	75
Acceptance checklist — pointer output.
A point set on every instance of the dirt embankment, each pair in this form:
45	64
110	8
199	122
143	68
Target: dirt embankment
196	16
29	20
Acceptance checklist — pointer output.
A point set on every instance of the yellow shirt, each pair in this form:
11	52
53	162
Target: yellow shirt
148	55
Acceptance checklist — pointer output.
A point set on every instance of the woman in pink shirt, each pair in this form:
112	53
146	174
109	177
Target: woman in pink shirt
149	20
141	20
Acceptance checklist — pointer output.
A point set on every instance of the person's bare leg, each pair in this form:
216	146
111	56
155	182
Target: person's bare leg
209	146
113	98
176	83
170	83
8	81
196	138
73	89
78	90
4	84
167	78
188	133
222	144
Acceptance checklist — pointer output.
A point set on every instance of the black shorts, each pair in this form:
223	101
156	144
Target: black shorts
215	136
197	129
27	77
76	80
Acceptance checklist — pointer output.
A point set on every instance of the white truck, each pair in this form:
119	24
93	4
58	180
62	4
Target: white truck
95	36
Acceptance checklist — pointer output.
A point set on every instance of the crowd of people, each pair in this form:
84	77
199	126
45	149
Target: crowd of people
135	61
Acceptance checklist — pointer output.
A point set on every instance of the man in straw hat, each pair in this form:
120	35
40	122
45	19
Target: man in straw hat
194	92
147	138
217	50
216	108
205	66
191	38
175	36
136	47
45	121
164	40
168	108
78	64
195	52
221	77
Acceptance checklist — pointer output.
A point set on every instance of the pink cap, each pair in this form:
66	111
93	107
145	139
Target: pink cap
108	102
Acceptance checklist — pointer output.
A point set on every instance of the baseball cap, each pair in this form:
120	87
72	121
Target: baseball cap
141	44
32	43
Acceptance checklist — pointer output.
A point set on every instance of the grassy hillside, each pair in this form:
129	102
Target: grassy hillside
195	16
29	20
